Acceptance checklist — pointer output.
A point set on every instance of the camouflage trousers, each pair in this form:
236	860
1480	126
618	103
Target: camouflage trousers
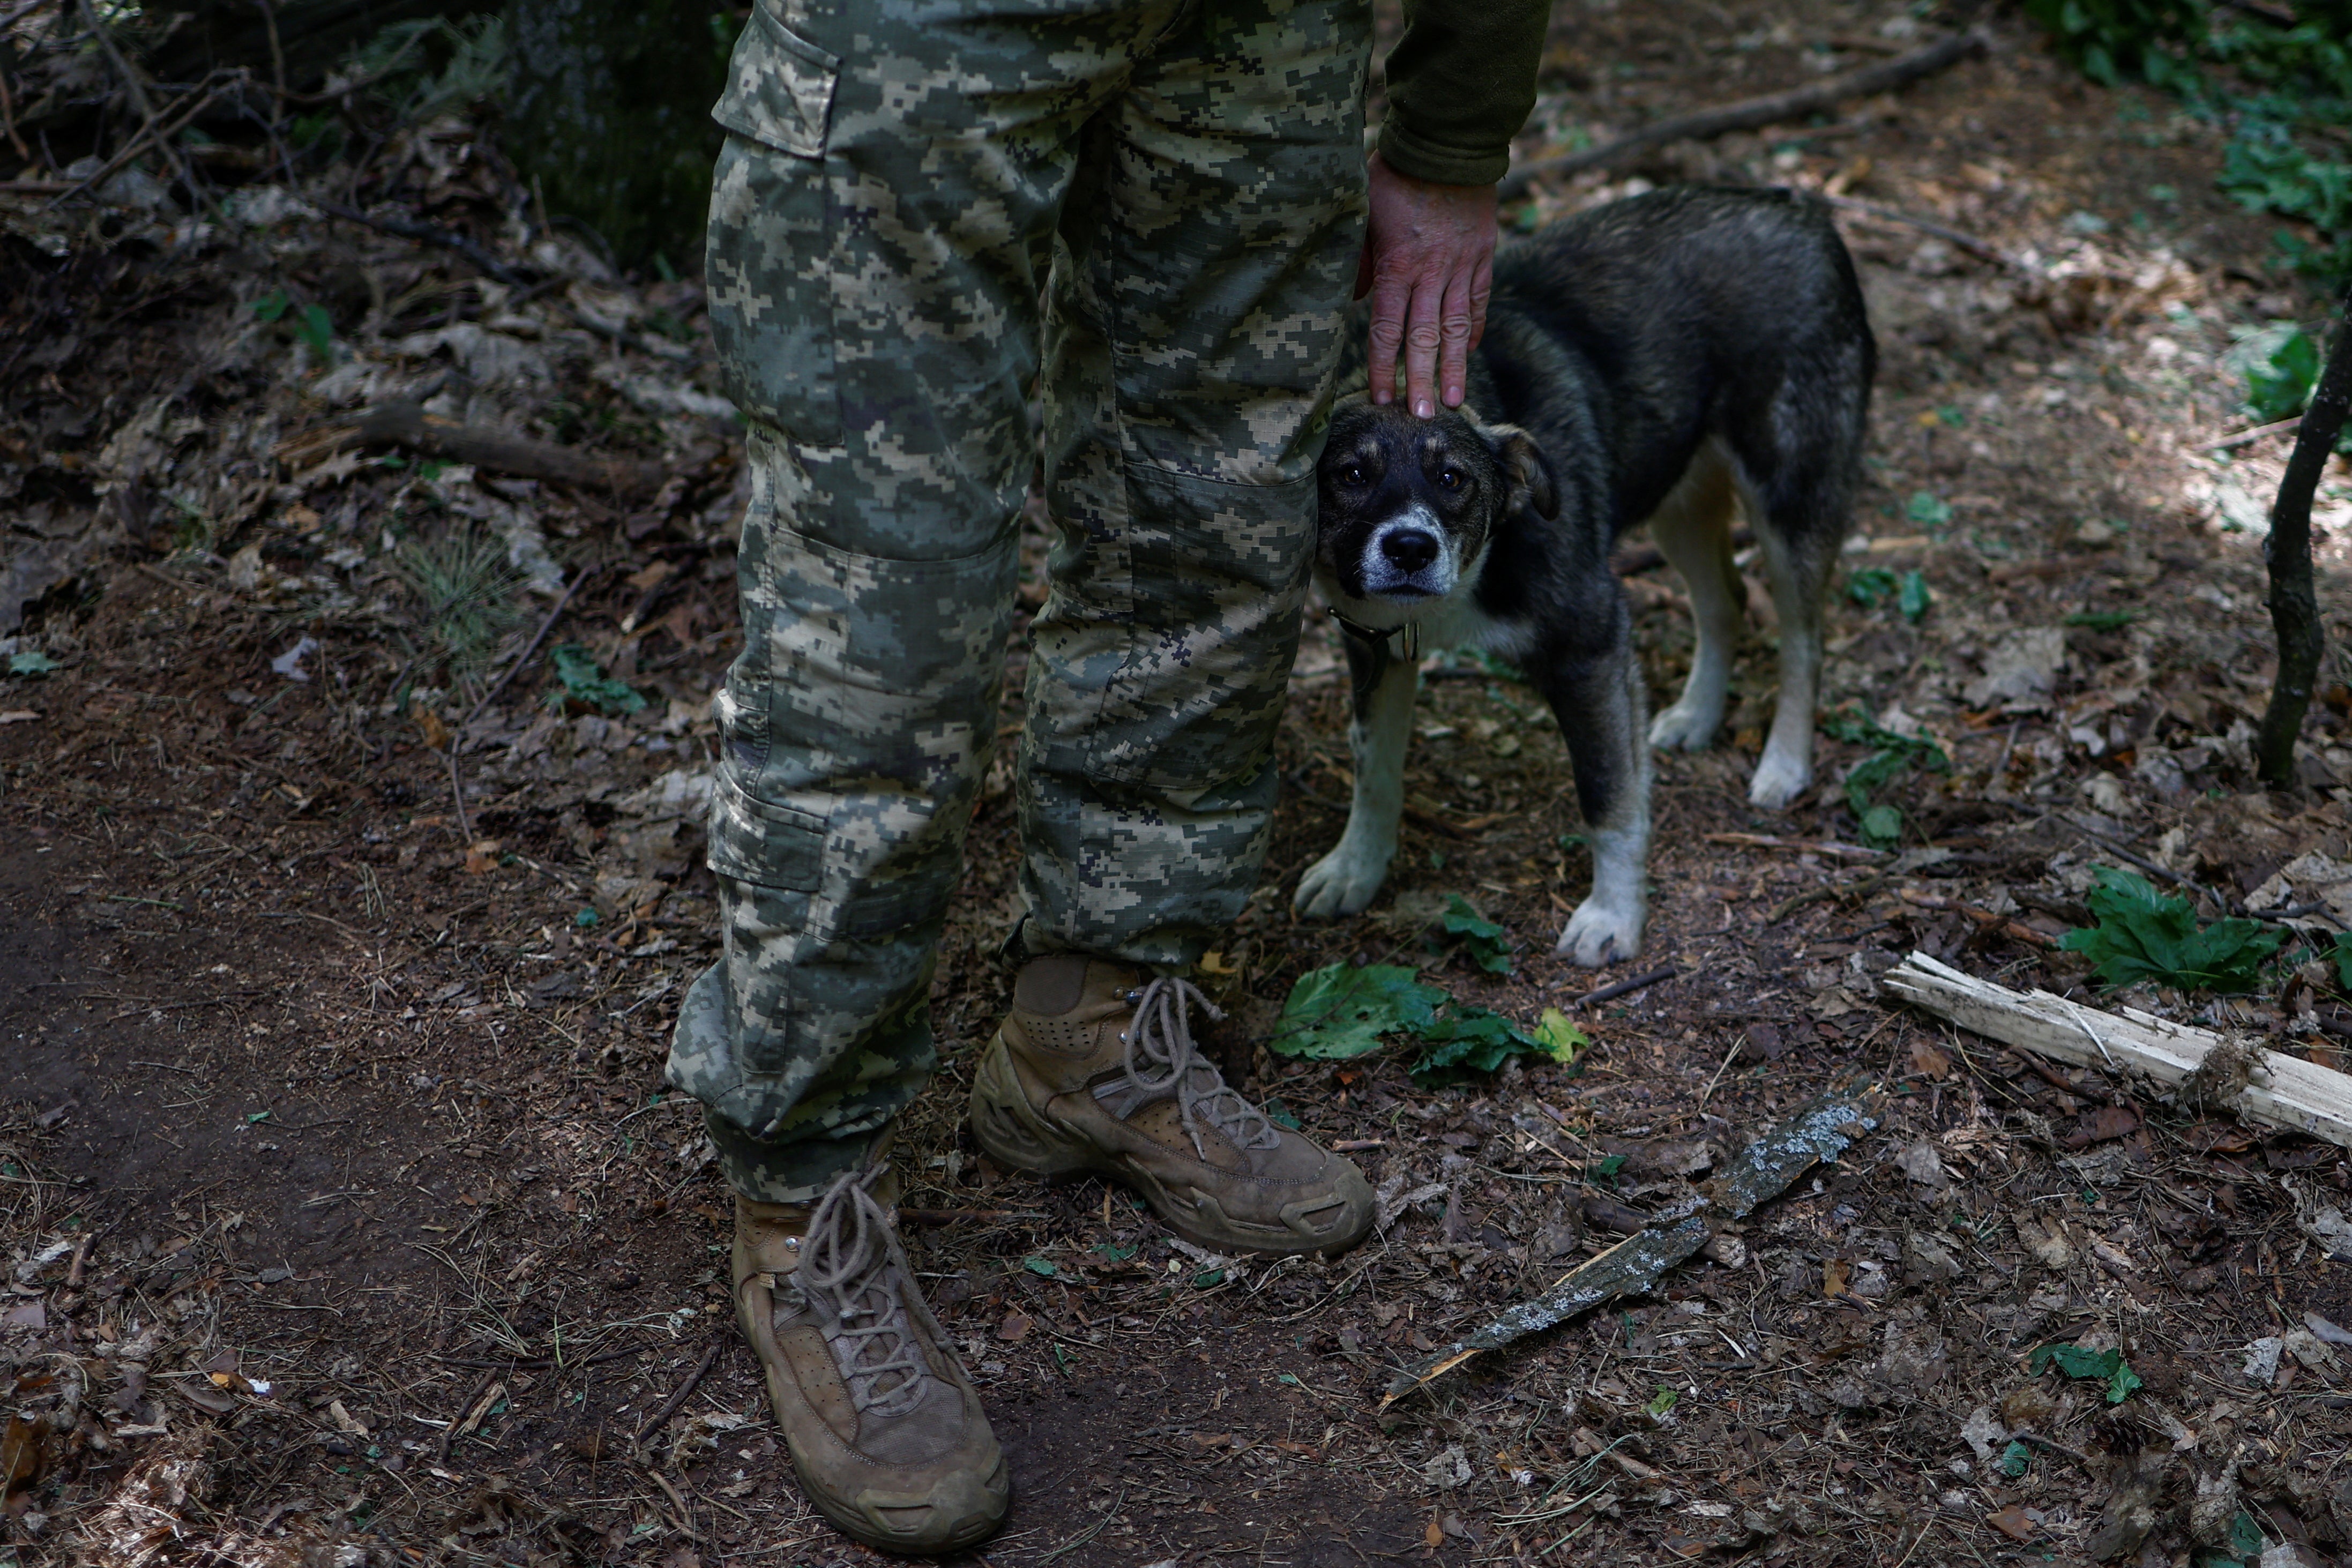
1149	212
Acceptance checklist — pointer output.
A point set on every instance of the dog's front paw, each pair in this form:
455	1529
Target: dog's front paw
1686	727
1600	934
1779	778
1341	883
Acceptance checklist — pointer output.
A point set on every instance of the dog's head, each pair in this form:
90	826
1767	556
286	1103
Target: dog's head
1408	505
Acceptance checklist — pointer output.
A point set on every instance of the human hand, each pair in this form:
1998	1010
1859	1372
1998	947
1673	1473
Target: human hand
1429	266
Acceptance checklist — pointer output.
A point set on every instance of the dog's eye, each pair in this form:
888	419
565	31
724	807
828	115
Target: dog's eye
1353	474
1449	478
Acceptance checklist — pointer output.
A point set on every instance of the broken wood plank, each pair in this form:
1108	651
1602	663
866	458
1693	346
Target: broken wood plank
1822	1130
403	424
2281	1091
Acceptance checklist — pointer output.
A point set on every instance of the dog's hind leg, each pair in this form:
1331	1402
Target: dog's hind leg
1599	704
1384	686
1798	571
1692	530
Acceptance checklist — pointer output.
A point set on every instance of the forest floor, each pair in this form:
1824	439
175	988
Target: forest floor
347	1220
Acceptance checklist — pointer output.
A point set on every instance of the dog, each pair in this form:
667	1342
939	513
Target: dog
1668	360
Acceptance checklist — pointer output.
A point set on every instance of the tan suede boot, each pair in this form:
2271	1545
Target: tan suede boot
1094	1070
887	1435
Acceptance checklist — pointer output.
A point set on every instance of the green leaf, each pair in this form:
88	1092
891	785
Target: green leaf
1881	826
2246	1536
2015	1458
316	329
1483	940
1118	1252
1280	1114
582	681
1914	597
2107	1366
1928	509
253	1116
1561	1040
272	305
1603	1172
2280	363
1872	586
1208	1278
2142	935
1474	1039
585	918
1662	1401
2342	954
33	663
1041	1267
1339	1011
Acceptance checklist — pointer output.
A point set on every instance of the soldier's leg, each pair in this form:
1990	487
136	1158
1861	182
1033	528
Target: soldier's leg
878	232
877	241
1200	279
1195	318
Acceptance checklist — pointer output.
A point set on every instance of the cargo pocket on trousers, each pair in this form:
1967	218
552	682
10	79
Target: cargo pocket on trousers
769	260
767	845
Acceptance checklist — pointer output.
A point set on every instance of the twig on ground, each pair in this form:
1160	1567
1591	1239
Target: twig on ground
1802	845
1841	891
426	234
465	1406
2016	931
1750	113
1626	987
1983	249
693	1380
2275	428
2151	868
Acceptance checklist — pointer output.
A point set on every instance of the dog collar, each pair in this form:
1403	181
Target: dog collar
1410	650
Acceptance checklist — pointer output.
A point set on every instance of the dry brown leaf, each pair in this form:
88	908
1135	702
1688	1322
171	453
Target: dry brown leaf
433	729
1835	1273
1930	1062
2011	1521
1015	1328
1434	1536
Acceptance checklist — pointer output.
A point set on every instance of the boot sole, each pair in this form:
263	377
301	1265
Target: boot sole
1014	1133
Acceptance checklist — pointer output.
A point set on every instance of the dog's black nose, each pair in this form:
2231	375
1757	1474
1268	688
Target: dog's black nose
1410	549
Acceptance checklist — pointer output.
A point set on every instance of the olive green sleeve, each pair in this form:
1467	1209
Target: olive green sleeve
1460	84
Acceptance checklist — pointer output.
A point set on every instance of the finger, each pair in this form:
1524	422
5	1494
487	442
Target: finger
1364	270
1423	336
1482	292
1385	338
1454	335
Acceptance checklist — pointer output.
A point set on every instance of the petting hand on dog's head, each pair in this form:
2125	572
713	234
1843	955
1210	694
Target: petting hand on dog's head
1429	266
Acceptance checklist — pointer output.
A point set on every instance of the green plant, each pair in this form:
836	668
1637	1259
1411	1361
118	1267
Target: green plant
468	592
395	65
2281	365
1483	942
580	678
1891	755
1342	1011
2142	935
33	663
2107	1366
1872	586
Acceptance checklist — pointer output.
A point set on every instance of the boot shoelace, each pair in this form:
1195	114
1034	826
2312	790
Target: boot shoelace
1161	1055
844	1272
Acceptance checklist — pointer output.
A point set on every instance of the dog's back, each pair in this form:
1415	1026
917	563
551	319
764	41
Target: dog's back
1624	336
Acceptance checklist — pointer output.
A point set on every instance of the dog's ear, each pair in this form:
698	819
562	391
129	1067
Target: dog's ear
1531	480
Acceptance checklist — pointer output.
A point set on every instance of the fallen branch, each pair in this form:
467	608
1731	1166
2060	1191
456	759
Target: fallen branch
1764	1169
1813	846
2278	1091
693	1380
2275	428
1983	249
428	233
1609	992
402	423
2016	931
1750	113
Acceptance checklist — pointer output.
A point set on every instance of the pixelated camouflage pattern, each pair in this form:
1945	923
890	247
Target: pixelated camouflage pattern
1185	178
